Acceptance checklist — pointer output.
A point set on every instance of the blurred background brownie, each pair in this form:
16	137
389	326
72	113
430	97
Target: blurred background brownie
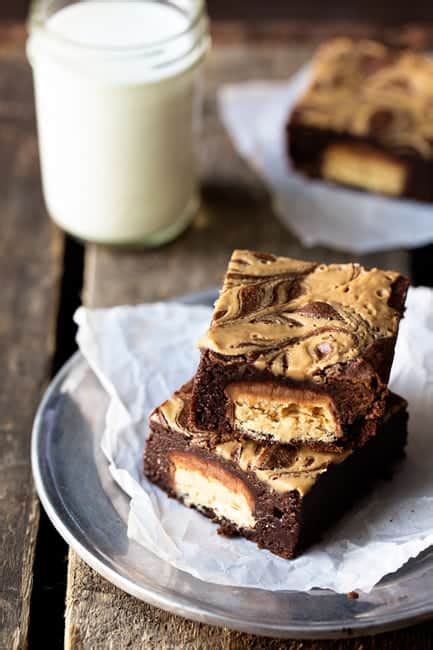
297	351
366	119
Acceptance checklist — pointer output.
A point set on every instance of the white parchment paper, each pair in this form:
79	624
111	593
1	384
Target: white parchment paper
141	354
255	114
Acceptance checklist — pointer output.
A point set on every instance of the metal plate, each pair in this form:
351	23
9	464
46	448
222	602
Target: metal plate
90	512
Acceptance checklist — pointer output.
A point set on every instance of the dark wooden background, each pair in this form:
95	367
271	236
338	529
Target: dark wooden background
383	11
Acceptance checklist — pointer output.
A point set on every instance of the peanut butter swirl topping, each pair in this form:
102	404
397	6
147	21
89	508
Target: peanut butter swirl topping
296	318
367	89
299	472
174	414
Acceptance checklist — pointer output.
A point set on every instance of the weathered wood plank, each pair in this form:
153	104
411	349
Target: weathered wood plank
236	212
30	264
100	616
418	35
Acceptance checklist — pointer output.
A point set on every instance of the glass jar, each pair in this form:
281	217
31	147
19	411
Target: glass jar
116	89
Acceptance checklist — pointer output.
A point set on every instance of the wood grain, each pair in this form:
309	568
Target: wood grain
362	11
236	211
257	10
99	616
30	264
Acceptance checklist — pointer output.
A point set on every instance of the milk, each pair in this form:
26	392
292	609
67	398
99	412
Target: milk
115	88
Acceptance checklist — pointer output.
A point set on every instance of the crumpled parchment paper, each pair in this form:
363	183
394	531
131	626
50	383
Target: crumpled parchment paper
142	354
255	114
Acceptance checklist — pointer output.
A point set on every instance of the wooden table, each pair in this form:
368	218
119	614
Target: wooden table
42	275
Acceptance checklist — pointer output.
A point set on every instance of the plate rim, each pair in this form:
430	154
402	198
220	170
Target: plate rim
167	602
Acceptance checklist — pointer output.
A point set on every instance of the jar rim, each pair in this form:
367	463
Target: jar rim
37	23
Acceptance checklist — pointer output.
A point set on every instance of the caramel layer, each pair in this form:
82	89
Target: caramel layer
274	412
296	318
206	484
363	167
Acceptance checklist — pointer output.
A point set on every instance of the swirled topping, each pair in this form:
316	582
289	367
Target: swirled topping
367	89
174	412
296	318
283	471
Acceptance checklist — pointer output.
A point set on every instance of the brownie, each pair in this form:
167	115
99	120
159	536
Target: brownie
279	497
297	352
366	119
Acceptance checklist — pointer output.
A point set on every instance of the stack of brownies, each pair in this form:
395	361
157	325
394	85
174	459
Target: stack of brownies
289	417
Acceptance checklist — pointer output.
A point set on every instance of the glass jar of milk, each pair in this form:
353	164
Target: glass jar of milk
116	103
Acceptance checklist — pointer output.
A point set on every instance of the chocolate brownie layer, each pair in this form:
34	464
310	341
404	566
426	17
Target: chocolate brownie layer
175	414
309	148
366	119
297	351
280	498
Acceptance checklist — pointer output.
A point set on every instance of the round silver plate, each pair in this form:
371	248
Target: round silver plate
90	512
